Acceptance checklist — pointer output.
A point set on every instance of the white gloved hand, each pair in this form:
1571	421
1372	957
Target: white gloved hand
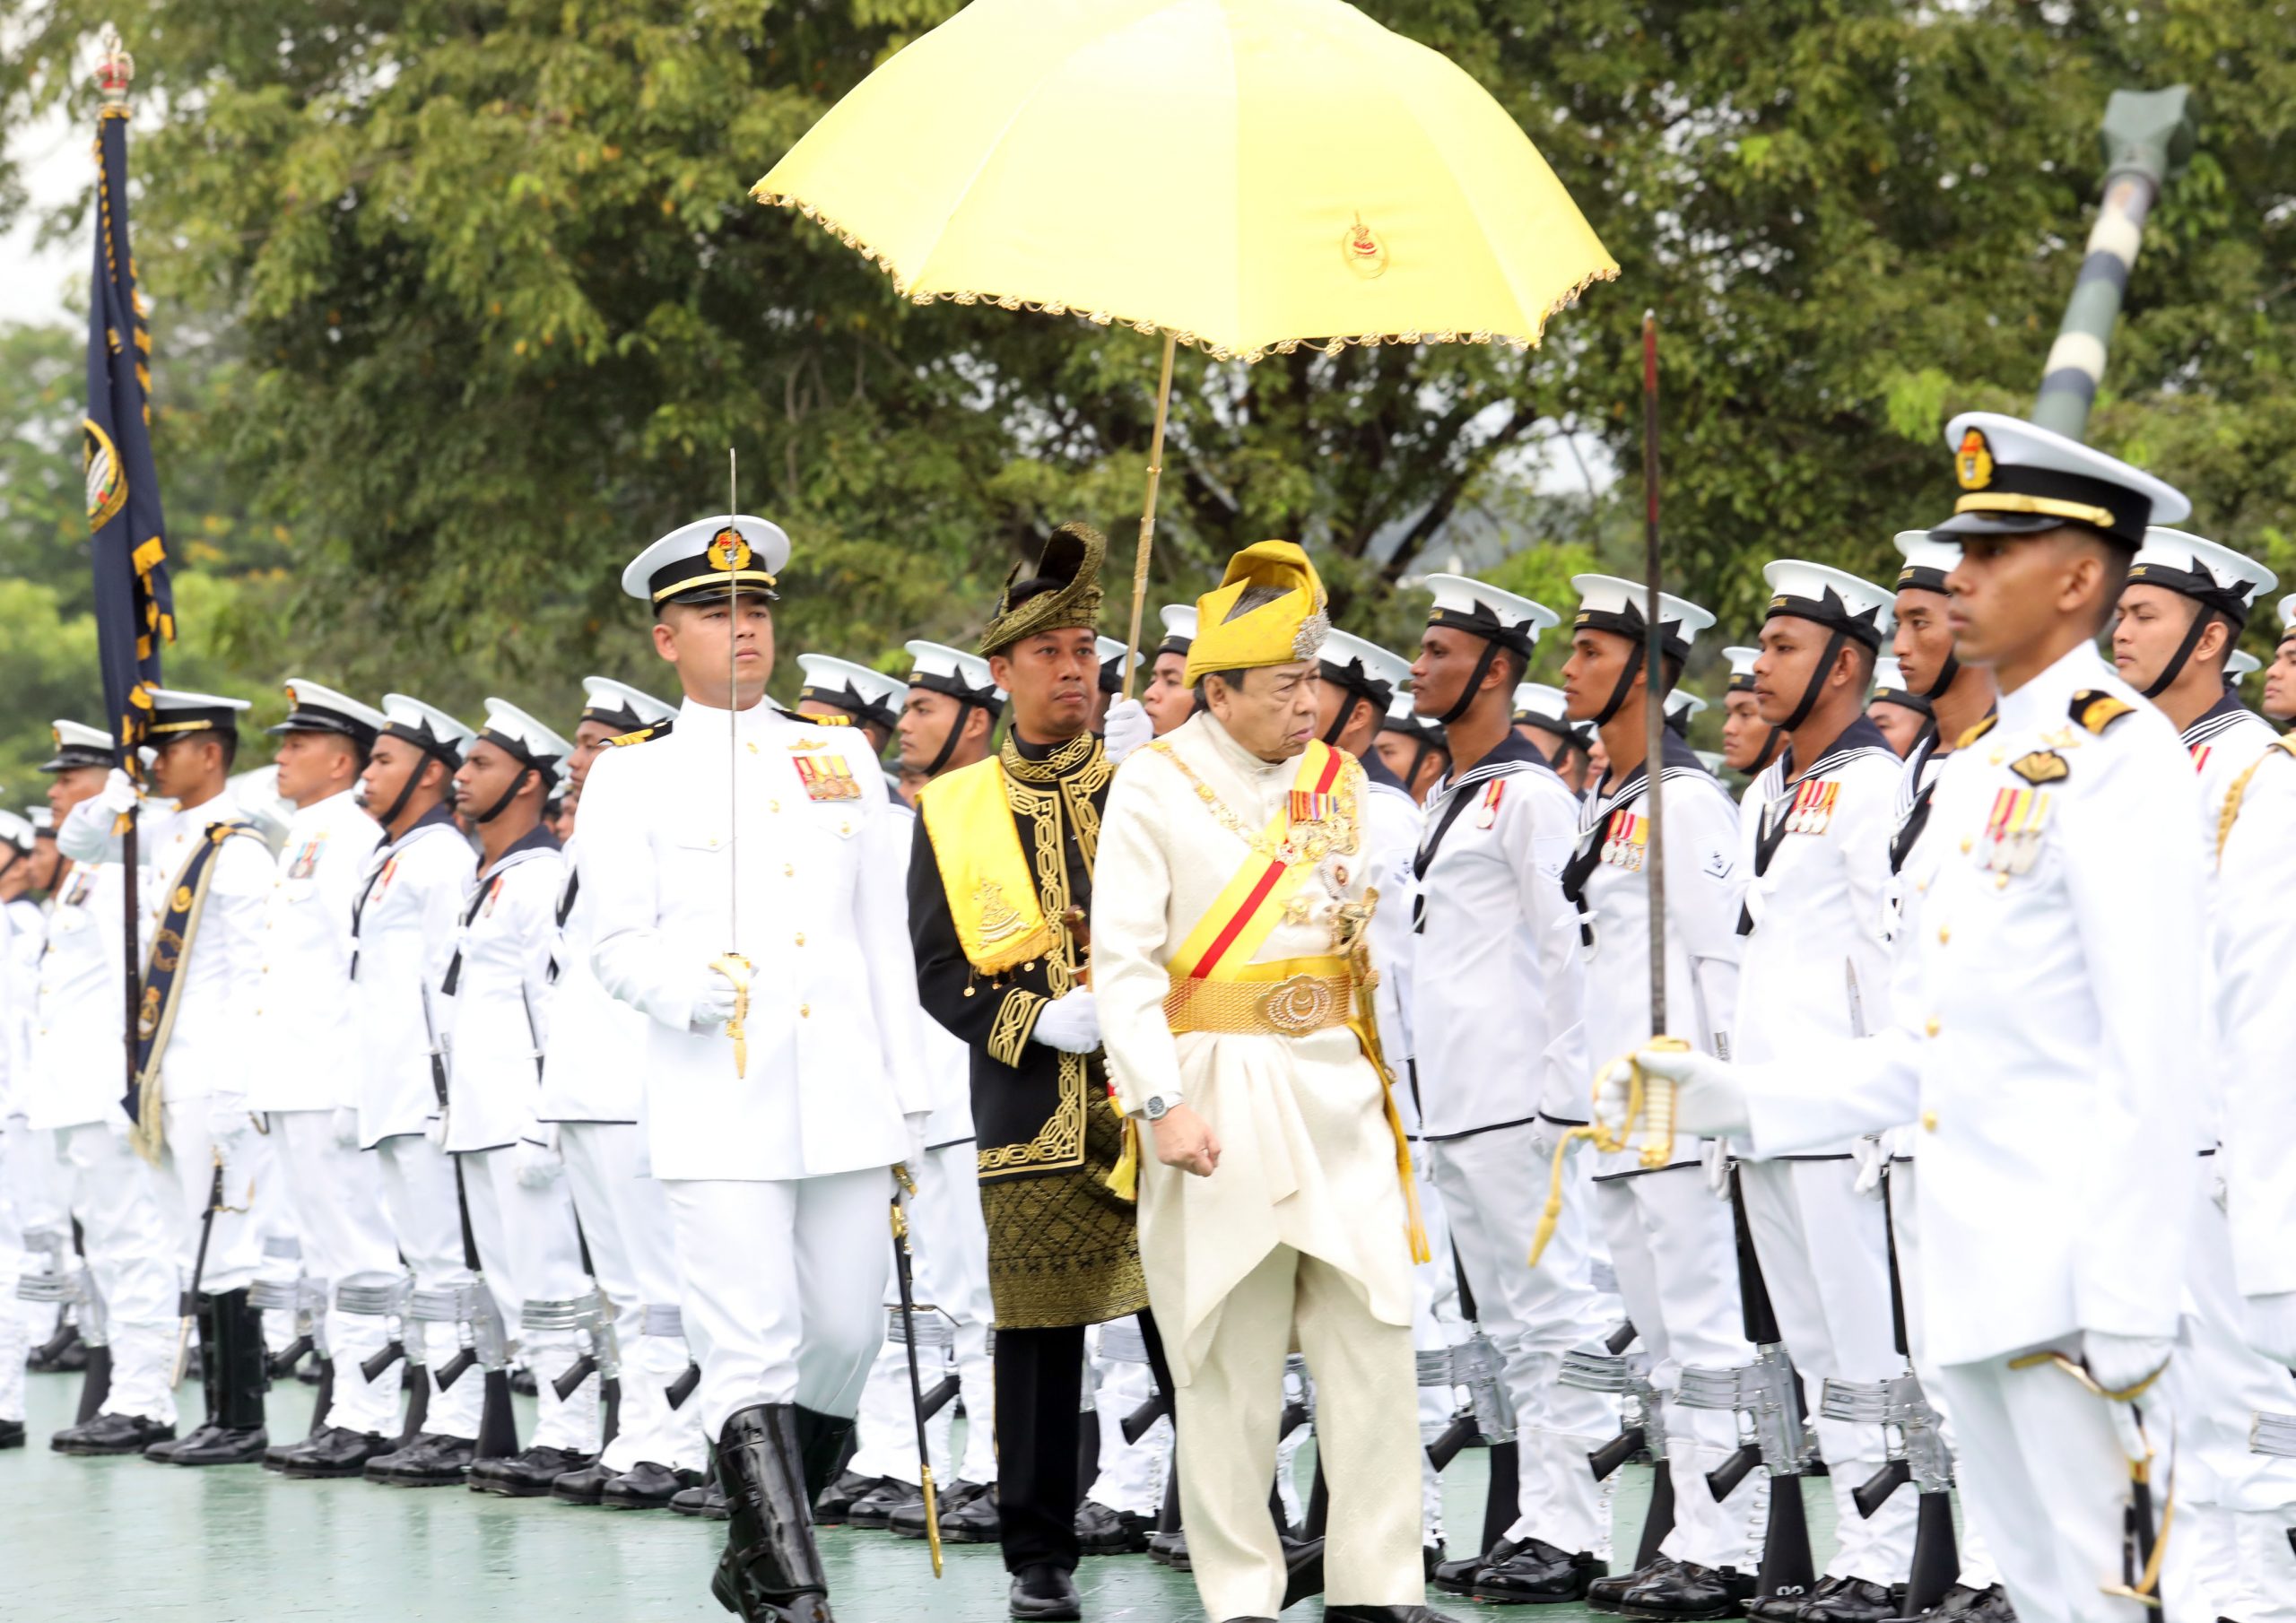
537	1165
434	1128
119	795
1872	1154
1071	1022
1709	1101
1714	1155
2269	1326
2120	1362
228	1120
1128	727
914	1124
343	1127
713	1001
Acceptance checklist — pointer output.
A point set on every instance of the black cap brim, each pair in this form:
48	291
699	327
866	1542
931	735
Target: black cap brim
2013	525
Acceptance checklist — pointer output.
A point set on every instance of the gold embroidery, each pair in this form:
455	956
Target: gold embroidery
1016	1016
998	918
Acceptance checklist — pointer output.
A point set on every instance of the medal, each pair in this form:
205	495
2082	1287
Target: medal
826	778
494	895
1493	793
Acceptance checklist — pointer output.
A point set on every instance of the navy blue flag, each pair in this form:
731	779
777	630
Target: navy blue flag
134	605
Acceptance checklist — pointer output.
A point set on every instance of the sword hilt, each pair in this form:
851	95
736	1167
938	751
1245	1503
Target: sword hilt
737	1027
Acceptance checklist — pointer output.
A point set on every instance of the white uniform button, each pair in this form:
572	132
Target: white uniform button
801	938
804	1011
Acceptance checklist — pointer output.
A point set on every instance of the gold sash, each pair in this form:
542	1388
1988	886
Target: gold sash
992	894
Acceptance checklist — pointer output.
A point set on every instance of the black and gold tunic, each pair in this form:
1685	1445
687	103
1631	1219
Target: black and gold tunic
1062	1248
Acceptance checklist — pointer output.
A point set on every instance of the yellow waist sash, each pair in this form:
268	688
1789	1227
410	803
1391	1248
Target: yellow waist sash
1000	920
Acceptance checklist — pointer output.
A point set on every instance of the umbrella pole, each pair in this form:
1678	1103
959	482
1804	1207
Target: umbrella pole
1148	517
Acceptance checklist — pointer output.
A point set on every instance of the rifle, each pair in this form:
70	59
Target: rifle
586	1314
1642	1428
471	1308
187	1304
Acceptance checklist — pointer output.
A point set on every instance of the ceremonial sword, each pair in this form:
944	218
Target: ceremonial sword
916	1382
730	963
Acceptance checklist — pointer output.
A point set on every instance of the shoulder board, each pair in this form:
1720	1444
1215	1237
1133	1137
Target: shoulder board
2097	710
660	729
1972	735
814	721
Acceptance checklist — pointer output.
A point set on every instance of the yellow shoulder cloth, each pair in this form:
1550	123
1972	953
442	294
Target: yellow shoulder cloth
992	893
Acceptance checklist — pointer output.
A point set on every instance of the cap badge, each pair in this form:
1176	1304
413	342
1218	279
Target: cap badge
728	550
1363	251
1974	463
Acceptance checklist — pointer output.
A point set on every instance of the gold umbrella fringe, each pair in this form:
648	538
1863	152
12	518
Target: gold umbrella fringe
1217	352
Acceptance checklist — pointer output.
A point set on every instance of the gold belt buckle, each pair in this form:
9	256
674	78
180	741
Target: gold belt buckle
1299	1004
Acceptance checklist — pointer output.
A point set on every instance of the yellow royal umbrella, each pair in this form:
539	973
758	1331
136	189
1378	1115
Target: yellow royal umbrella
1244	176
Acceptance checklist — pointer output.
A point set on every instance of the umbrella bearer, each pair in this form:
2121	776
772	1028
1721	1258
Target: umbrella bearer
1494	975
1232	954
591	1106
495	1006
1815	852
746	877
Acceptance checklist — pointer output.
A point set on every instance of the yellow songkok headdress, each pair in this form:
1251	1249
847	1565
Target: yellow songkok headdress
1269	610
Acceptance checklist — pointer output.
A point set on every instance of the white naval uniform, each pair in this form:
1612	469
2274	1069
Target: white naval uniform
1814	854
592	1093
1672	1244
777	1178
1498	1018
497	1018
303	1034
17	1173
2041	1025
73	1066
403	925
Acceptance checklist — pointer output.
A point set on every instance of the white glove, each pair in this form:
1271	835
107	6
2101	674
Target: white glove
2118	1362
2270	1326
119	795
1715	1155
434	1128
1873	1157
538	1165
228	1120
342	1126
1709	1101
713	1002
1071	1022
915	1124
1127	728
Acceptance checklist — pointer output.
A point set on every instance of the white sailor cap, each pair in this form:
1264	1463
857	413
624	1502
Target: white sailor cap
1401	717
78	744
1681	704
1832	598
426	727
312	708
1541	706
511	729
2017	479
1179	628
1510	621
1362	668
622	707
866	695
2242	665
1889	689
1742	669
1607	603
2288	616
2208	572
174	710
1111	652
704	560
958	672
16	833
42	820
1928	560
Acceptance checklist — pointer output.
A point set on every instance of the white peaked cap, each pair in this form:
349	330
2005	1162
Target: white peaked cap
1180	621
2017	478
1683	703
314	708
1542	703
1484	611
680	562
15	831
1342	649
2241	665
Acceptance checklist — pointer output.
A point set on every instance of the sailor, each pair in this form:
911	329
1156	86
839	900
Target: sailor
2279	701
950	709
1001	955
1904	716
1540	722
2185	603
1494	975
1749	744
838	690
591	1106
1413	749
748	903
495	1001
404	923
2042	1037
1169	698
1672	1246
1111	652
1815	852
1240	1024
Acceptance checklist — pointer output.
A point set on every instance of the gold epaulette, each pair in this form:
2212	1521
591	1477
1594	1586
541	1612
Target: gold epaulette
2096	710
814	721
1972	734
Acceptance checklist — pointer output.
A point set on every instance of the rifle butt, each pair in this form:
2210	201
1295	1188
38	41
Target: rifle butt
498	1426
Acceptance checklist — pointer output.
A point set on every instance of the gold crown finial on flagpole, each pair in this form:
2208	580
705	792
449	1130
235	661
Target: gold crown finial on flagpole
115	70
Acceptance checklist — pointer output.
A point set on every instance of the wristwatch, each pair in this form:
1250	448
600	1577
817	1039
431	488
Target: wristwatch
1155	1110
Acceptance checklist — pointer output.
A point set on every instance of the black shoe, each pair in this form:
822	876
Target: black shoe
235	1370
1303	1570
525	1476
706	1500
832	1504
111	1434
586	1485
770	1571
1689	1592
1608	1594
12	1434
62	1353
1777	1609
336	1451
1046	1593
1102	1531
1171	1549
163	1452
429	1461
968	1514
876	1508
1535	1573
1386	1614
647	1486
1962	1604
1849	1601
1458	1576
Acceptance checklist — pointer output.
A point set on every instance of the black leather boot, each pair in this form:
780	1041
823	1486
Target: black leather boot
336	1451
1534	1573
824	1442
582	1486
234	1433
206	1366
769	1572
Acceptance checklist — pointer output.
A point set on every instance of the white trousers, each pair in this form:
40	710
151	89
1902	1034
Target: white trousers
1494	1188
2044	1477
186	1174
336	1198
1825	1257
15	1320
130	1242
633	1254
529	1247
1675	1251
1435	1323
418	1188
1367	1437
785	1283
1131	1476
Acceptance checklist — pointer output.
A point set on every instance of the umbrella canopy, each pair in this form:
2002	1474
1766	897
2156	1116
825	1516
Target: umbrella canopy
1244	176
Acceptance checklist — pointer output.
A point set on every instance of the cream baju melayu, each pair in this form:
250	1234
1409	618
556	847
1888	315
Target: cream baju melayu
1303	1230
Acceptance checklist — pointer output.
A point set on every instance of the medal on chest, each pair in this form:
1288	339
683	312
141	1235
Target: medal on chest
1626	839
306	858
1487	810
1812	809
2012	831
76	892
382	882
2200	758
826	777
494	895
